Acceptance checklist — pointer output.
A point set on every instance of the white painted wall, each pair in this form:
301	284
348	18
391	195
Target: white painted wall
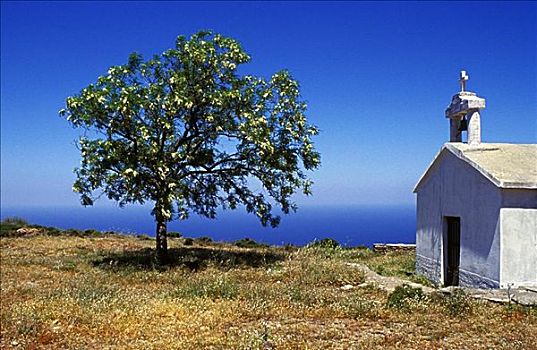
518	247
454	188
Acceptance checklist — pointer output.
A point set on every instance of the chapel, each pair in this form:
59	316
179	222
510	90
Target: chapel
477	206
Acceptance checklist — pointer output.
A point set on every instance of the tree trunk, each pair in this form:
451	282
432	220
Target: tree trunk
162	241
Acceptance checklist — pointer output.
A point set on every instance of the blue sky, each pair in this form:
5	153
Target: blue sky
377	77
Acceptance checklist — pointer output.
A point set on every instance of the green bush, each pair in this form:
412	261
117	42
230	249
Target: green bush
458	303
73	232
188	241
175	234
53	231
356	307
15	220
288	247
329	243
92	233
204	240
404	296
9	226
249	243
143	237
299	295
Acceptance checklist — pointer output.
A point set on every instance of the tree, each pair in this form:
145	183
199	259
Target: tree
185	131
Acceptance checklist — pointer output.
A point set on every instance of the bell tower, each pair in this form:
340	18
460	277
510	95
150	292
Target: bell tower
463	114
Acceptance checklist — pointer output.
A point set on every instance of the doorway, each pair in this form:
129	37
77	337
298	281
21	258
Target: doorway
452	250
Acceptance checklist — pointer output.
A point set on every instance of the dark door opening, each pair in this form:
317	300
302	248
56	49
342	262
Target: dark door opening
453	250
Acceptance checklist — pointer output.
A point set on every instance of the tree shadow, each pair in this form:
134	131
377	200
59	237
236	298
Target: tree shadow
192	258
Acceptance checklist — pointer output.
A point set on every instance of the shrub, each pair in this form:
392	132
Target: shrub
249	243
143	237
188	241
72	232
329	243
458	303
92	233
404	296
53	231
299	295
15	220
356	307
204	240
9	226
175	234
288	247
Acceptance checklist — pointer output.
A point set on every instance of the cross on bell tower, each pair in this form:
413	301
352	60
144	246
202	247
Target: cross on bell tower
463	114
463	79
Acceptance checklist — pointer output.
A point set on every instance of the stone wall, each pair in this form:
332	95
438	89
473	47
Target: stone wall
396	247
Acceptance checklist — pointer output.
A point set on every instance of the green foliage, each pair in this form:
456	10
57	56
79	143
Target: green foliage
404	296
92	233
53	231
355	306
15	220
78	233
288	247
175	234
458	303
296	294
203	240
186	131
9	226
143	237
188	241
515	310
329	243
249	243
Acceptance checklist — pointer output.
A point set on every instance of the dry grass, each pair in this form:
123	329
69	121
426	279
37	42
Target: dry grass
104	292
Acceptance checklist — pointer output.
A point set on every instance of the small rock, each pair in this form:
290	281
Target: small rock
26	231
268	346
493	299
346	287
525	298
530	288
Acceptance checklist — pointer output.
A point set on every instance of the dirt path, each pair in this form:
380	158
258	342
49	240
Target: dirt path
523	296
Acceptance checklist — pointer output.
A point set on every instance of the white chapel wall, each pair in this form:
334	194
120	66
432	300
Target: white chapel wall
454	188
518	247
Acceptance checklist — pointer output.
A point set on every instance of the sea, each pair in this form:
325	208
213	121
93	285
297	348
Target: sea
349	225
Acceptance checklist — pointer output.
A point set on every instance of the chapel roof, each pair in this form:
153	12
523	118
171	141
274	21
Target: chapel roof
507	165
